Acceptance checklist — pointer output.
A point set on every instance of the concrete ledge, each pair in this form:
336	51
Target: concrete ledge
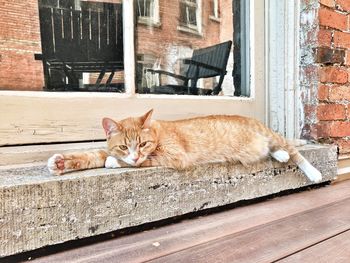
37	209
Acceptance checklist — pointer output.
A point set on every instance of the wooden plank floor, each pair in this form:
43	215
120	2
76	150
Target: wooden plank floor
310	226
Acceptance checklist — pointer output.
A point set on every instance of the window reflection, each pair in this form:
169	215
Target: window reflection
82	45
175	40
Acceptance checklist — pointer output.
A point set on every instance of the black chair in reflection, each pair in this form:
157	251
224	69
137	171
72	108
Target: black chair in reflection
77	41
205	63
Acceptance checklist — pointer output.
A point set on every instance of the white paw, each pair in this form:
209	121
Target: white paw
55	164
281	156
112	162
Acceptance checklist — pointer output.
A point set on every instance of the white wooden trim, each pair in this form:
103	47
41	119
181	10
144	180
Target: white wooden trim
129	44
156	17
215	14
252	47
42	119
199	16
81	95
282	66
266	51
345	170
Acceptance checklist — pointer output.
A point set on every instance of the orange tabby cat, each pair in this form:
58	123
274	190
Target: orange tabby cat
181	144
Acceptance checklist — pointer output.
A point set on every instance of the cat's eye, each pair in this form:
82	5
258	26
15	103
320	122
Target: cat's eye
143	144
123	147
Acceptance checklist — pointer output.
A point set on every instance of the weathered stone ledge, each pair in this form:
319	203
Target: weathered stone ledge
38	209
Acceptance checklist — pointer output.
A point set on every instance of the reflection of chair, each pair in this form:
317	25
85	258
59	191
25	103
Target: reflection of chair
205	63
75	41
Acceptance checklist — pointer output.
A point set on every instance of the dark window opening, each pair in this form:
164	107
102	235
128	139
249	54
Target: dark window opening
188	13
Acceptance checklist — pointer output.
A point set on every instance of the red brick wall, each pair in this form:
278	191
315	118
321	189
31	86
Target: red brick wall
19	40
226	16
327	110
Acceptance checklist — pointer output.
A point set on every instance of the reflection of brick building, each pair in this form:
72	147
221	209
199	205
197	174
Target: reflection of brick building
164	35
19	40
20	36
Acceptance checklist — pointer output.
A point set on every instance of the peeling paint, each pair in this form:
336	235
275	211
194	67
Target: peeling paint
307	95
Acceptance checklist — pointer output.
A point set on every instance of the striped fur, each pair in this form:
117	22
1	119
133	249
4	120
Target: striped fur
184	143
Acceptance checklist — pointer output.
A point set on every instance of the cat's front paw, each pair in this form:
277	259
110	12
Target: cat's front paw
55	164
112	162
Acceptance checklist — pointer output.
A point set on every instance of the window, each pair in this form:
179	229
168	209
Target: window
148	12
144	78
215	15
190	14
82	45
39	117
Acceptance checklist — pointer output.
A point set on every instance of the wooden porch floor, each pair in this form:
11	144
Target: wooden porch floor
310	226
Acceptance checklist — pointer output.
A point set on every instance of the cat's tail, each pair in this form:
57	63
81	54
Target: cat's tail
286	150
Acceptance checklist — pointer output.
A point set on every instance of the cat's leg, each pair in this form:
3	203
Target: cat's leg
309	170
279	142
112	162
280	155
59	164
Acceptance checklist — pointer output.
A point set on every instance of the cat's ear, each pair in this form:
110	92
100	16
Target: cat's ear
110	126
146	119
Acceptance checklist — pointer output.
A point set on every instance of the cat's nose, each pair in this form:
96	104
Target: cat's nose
135	158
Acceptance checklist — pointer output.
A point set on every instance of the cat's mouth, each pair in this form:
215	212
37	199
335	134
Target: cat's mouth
132	162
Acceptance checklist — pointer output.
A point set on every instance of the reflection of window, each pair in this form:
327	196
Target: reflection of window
144	78
190	16
148	11
215	15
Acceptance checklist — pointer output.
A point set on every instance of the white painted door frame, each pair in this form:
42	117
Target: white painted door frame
282	66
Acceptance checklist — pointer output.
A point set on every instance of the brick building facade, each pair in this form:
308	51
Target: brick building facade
325	71
167	42
19	40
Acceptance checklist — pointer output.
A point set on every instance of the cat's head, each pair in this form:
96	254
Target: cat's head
131	140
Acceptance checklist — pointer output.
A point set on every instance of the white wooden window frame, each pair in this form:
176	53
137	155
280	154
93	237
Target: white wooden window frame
190	28
154	19
42	117
216	11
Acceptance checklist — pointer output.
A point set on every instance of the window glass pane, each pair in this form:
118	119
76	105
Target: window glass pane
215	8
188	52
188	14
67	45
145	8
